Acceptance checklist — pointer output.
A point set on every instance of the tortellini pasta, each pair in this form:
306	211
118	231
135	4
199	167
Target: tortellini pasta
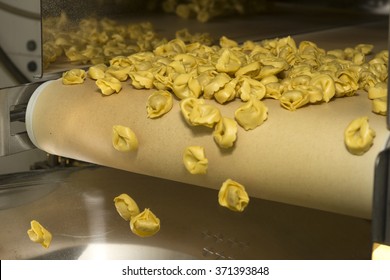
37	233
252	114
233	196
379	106
225	132
94	41
196	112
378	91
145	224
228	62
118	72
159	103
187	105
186	85
358	136
97	72
294	99
109	85
73	77
142	79
126	206
195	160
124	139
204	114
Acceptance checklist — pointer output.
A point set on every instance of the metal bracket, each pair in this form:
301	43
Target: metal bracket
12	101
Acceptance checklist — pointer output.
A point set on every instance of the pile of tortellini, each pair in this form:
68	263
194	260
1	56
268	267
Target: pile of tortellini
296	75
93	41
206	10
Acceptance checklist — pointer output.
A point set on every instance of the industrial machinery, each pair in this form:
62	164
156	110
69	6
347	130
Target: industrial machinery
309	197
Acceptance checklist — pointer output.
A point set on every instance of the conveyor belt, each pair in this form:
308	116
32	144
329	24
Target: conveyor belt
294	157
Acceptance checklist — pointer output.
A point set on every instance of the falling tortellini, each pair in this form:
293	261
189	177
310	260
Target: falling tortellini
124	139
195	160
37	233
126	206
359	136
225	132
233	196
378	95
143	224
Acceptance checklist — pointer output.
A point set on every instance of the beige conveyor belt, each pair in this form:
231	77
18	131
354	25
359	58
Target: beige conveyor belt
294	157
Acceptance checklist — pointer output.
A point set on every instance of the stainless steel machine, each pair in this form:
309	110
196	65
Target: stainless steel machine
310	199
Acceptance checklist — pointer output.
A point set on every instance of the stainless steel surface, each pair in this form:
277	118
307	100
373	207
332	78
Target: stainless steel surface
76	205
20	42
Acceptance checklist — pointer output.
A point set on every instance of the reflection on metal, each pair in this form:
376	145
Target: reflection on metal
76	206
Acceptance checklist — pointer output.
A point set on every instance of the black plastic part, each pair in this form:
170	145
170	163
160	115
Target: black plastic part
381	199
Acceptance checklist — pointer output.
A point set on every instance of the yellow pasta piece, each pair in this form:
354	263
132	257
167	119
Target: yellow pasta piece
379	106
326	84
74	55
194	160
126	206
187	105
124	139
159	103
228	62
92	52
314	94
364	48
145	224
121	61
119	72
97	72
293	99
250	70
378	91
346	82
225	132
225	42
142	79
37	233
109	85
273	90
233	196
227	93
216	84
189	61
271	66
74	77
252	114
250	88
186	85
358	136
204	114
